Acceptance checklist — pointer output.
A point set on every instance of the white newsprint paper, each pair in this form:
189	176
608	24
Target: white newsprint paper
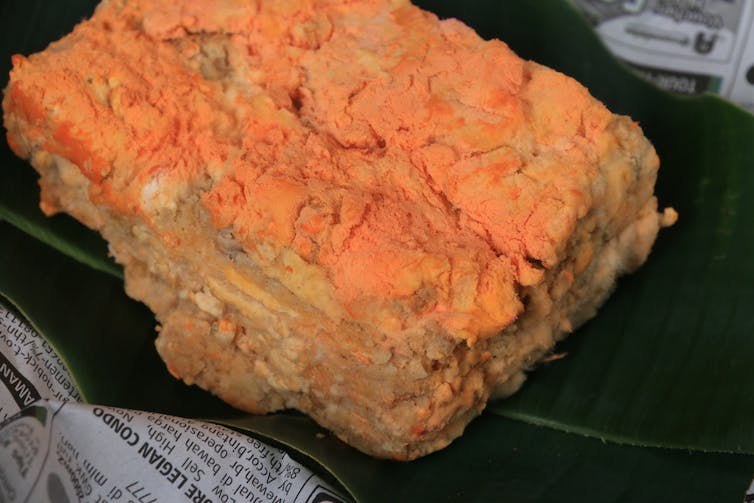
685	46
55	449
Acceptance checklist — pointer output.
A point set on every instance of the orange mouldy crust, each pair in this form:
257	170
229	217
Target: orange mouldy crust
428	177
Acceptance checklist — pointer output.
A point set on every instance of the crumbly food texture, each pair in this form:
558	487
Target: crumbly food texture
350	208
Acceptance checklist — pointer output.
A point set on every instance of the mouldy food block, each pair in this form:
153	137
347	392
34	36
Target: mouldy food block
348	208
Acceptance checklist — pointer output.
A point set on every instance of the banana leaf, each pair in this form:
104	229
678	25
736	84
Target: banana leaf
664	364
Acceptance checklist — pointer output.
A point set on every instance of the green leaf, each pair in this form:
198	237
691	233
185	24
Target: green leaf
502	460
664	363
20	207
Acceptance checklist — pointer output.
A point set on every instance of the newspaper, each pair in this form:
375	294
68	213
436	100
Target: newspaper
54	448
685	46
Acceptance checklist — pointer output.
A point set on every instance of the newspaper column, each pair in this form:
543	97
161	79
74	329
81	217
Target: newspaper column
53	448
684	46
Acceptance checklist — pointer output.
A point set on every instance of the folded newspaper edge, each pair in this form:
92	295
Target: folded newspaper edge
67	451
55	449
686	47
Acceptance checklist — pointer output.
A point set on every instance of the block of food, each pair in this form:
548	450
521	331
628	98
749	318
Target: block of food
349	208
